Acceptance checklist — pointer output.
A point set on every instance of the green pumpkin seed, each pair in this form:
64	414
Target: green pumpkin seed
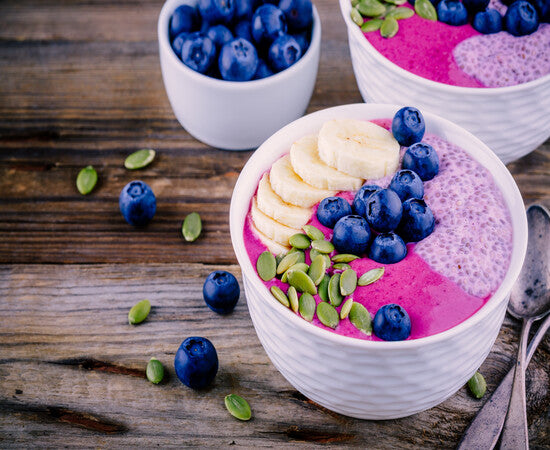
139	159
298	266
425	9
371	25
370	276
313	233
348	282
280	295
192	227
86	180
293	298
307	306
322	290
477	385
334	294
354	3
302	257
238	407
387	9
356	17
317	269
299	240
397	2
279	258
371	8
344	258
346	307
359	316
389	27
322	246
266	266
327	315
154	371
314	253
401	13
139	312
341	266
302	282
288	261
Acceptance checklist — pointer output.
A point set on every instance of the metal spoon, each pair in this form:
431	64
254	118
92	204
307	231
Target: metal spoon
530	301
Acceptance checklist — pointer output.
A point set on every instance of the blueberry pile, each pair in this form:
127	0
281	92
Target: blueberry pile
241	40
381	221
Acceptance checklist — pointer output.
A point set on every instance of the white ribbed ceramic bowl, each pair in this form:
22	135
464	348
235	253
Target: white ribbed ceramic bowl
512	121
368	379
236	115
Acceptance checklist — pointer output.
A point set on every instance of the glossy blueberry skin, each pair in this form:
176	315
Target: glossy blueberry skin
298	13
331	210
268	23
219	35
217	11
263	70
221	291
243	29
488	21
303	40
238	60
137	203
361	196
452	12
392	323
196	362
383	212
408	126
387	248
543	9
198	52
407	184
521	18
351	235
283	53
177	43
417	221
244	9
474	6
184	19
422	159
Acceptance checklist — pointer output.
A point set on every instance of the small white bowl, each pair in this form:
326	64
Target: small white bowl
236	115
370	379
512	121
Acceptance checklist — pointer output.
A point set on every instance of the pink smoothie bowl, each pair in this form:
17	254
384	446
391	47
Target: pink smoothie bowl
360	378
512	121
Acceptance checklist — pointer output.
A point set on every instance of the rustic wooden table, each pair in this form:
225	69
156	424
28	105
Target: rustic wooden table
81	84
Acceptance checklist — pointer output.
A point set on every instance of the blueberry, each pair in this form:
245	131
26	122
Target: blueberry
387	248
521	18
238	60
543	9
383	212
283	53
221	291
242	29
488	21
473	6
198	52
351	235
245	8
298	13
392	323
303	40
331	210
407	184
452	12
217	11
219	35
137	203
408	126
417	221
268	23
422	159
184	19
361	196
177	43
263	70
196	362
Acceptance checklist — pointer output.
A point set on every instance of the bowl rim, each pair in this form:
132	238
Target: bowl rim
162	31
355	31
248	175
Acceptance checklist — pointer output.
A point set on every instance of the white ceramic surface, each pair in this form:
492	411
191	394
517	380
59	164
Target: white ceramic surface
512	121
236	115
367	379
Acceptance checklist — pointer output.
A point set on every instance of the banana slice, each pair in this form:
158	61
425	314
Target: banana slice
272	246
305	160
291	188
273	206
270	227
358	148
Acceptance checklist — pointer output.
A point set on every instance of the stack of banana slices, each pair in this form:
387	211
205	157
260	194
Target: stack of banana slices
344	154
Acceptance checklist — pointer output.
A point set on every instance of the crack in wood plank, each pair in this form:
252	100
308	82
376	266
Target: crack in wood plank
100	366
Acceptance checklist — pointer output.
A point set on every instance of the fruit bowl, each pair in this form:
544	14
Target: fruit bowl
236	115
512	121
372	379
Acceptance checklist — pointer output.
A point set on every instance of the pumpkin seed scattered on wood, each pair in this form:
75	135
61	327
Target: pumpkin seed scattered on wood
370	276
341	266
425	9
86	180
327	315
154	371
139	159
334	295
299	240
370	8
346	307
359	316
302	282
348	282
288	261
400	13
477	385
266	265
192	227
356	16
322	290
389	27
317	269
307	306
293	298
371	25
344	258
280	295
139	312
313	233
238	407
322	246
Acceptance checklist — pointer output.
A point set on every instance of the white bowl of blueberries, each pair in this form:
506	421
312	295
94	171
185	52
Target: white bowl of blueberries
235	71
